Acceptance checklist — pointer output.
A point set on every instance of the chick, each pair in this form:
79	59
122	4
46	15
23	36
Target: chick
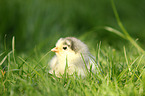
75	54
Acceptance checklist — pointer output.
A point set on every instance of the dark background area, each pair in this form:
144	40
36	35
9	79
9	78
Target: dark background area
40	23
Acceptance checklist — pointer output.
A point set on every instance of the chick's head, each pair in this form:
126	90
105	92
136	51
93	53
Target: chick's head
70	45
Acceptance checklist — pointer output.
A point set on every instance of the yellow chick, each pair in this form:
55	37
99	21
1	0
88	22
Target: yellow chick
71	51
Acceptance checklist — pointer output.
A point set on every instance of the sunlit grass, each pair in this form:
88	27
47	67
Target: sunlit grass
121	74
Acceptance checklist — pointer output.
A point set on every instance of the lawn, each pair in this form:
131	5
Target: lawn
113	32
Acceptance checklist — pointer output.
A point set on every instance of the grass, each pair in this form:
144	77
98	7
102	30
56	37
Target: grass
122	74
122	71
125	35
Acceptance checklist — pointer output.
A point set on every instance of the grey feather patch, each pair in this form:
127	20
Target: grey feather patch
66	43
74	47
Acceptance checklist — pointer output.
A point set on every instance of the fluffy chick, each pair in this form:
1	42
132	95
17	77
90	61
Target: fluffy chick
70	51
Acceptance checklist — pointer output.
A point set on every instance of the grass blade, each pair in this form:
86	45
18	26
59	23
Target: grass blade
13	48
3	60
31	68
85	63
2	53
126	34
115	31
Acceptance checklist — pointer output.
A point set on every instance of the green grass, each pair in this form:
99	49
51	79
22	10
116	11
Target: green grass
122	71
122	74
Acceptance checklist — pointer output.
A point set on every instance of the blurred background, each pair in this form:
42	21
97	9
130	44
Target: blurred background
40	23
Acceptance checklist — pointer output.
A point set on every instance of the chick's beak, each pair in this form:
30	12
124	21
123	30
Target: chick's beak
54	49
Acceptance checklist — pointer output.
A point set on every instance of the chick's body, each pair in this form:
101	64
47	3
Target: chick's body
71	52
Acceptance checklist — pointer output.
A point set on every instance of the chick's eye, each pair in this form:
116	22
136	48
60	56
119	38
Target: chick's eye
64	48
